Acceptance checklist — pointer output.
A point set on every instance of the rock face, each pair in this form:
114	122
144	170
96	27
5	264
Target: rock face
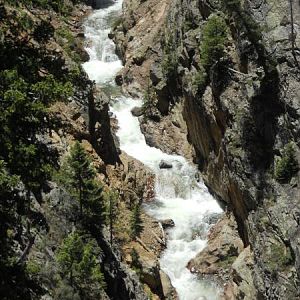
224	246
241	286
238	120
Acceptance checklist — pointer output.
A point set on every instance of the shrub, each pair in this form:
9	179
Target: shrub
170	58
213	41
33	268
199	80
286	166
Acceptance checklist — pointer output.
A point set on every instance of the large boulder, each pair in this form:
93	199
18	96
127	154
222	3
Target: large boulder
241	285
137	111
223	247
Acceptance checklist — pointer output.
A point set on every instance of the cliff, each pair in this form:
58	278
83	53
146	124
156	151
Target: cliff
231	70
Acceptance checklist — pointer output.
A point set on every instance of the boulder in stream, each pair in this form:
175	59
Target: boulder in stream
137	111
168	223
165	165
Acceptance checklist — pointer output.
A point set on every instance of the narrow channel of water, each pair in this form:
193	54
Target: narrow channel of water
179	196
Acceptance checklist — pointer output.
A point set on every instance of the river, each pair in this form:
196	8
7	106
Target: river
178	194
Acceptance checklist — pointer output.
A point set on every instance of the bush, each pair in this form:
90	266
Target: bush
213	41
33	268
199	81
170	58
286	166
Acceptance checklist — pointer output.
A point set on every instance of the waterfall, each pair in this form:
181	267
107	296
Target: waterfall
179	195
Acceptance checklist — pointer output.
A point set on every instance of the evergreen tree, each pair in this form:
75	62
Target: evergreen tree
136	223
111	211
69	255
77	260
213	41
78	175
94	203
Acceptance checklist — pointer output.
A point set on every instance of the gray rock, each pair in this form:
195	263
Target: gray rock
137	111
165	165
156	74
168	223
168	290
119	79
212	218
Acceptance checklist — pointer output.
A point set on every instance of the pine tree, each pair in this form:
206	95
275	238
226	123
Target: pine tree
213	41
78	176
94	203
77	259
81	174
111	211
136	223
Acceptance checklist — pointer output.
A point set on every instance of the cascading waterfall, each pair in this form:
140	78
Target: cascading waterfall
179	195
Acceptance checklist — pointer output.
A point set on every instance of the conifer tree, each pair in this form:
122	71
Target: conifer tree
78	261
111	211
81	173
78	175
136	223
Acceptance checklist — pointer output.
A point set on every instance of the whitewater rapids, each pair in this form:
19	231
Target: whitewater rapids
180	196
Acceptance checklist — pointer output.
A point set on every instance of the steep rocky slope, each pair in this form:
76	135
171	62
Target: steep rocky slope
47	104
240	103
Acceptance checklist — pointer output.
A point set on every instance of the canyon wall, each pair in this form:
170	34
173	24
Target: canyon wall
241	114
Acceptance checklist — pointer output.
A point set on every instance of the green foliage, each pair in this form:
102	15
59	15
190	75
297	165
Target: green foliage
8	219
170	58
32	268
278	257
78	175
49	90
286	166
60	6
23	115
231	5
65	292
66	39
111	201
77	260
214	37
148	101
226	262
136	223
200	80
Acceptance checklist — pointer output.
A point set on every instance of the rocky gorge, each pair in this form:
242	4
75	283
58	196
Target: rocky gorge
239	111
219	87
